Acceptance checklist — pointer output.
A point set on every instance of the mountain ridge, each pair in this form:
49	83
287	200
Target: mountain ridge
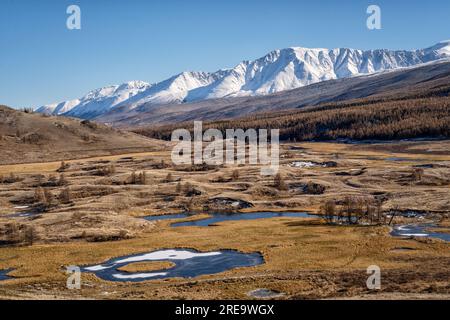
277	71
424	80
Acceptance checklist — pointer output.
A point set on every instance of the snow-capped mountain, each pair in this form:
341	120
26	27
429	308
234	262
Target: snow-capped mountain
277	71
97	101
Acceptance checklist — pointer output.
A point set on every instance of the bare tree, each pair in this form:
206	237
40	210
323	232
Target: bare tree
417	174
30	235
168	178
329	210
62	180
12	232
235	175
39	195
64	196
279	183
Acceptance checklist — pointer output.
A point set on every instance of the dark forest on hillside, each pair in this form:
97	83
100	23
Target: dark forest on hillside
383	119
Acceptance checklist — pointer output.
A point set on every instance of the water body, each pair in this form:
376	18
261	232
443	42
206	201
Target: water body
264	294
20	215
188	264
23	213
219	217
420	230
4	274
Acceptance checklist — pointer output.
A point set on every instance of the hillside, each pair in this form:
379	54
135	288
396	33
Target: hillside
387	117
32	137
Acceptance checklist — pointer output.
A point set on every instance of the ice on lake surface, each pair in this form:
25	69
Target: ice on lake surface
188	263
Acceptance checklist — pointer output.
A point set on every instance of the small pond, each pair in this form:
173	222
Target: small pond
4	274
188	263
219	217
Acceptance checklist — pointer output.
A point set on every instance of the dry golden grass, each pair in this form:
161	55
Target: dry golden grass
303	258
288	247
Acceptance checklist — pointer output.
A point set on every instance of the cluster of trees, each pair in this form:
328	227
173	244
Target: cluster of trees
360	120
20	234
353	210
11	178
138	178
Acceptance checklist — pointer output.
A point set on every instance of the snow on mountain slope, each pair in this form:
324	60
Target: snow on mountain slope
97	101
279	70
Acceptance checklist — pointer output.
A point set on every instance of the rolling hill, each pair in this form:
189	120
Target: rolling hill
33	137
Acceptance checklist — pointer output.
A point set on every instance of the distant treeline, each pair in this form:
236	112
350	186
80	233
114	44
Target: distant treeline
381	119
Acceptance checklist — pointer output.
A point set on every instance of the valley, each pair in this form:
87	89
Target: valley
94	210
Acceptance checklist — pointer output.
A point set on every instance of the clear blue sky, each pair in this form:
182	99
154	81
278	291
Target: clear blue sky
41	61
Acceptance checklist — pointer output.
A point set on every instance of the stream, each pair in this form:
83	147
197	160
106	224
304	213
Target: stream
420	230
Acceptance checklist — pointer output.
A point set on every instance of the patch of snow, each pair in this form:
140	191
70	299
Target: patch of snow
167	255
97	268
414	234
303	164
139	275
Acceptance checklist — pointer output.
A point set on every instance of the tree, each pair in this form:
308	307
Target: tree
133	177
279	182
418	174
39	195
112	169
379	210
169	177
30	235
63	166
178	188
62	180
12	232
143	177
48	197
329	210
64	196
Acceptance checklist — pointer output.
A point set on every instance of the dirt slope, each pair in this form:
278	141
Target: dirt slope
28	137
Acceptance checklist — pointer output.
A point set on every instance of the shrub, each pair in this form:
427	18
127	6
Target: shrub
313	188
168	178
279	183
63	166
39	195
64	196
62	180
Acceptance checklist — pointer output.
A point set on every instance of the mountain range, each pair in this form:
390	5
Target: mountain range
278	71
